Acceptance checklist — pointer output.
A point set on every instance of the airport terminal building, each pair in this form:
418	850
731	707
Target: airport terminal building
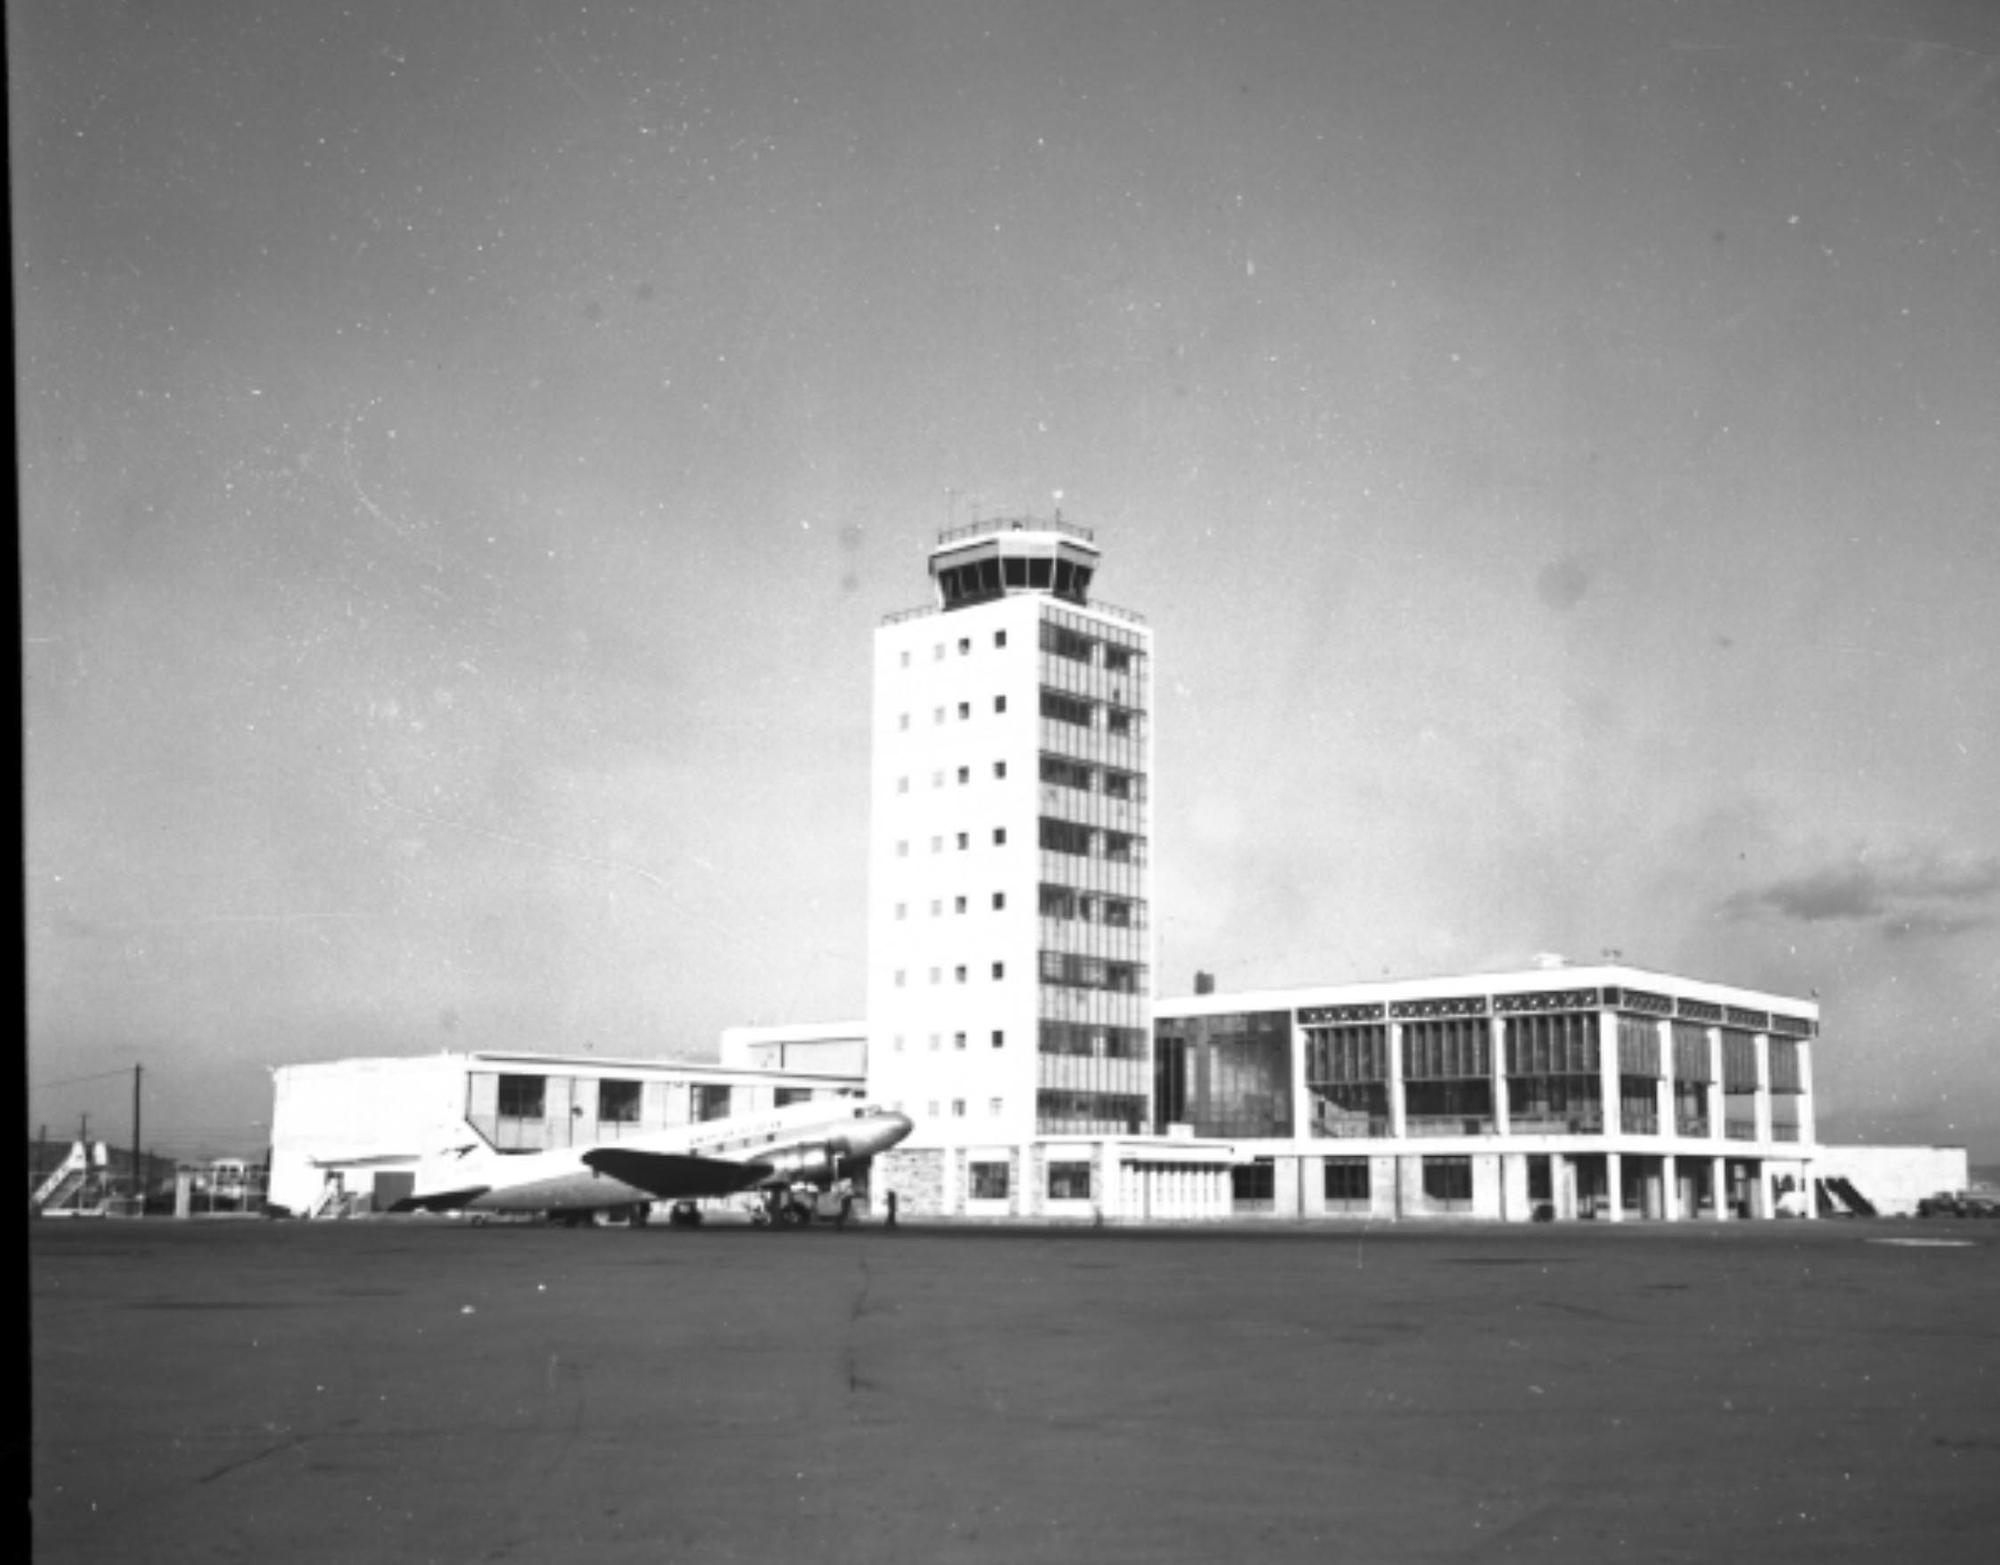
1011	1009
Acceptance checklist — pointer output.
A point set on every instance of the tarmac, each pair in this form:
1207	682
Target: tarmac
426	1390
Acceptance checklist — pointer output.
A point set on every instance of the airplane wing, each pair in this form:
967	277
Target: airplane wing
674	1175
442	1201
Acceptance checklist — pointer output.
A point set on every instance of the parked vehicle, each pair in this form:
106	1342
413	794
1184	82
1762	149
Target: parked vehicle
1958	1203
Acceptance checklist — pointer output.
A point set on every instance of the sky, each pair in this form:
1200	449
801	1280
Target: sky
465	448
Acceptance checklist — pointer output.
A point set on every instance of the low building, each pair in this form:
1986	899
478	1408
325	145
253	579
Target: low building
347	1135
1557	1092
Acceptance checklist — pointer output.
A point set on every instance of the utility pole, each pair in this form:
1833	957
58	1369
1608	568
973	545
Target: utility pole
138	1177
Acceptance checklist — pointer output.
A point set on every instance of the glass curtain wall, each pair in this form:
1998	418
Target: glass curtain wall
1554	1084
1693	1075
1447	1077
1638	1076
1739	1085
1093	1071
1227	1076
1347	1080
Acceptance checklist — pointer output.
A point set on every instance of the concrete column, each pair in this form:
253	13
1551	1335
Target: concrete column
1301	1103
1515	1207
1382	1188
1670	1189
1607	1074
1497	1034
1614	1186
1285	1186
1762	1203
1718	1188
1409	1186
1396	1080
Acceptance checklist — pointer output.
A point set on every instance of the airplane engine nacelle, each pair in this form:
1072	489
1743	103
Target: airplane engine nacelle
803	1166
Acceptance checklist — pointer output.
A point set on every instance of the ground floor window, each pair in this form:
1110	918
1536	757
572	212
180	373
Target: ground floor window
1254	1186
1347	1181
1069	1181
618	1102
522	1097
989	1181
711	1103
787	1096
1448	1182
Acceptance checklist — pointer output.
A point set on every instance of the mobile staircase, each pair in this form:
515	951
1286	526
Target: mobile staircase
1838	1198
76	1187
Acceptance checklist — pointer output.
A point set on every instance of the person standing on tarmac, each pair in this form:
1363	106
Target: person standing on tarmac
844	1191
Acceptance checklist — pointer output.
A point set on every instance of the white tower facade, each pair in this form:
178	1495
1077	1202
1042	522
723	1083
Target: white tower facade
1010	942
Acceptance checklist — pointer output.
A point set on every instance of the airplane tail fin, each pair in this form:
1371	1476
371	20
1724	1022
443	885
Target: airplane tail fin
451	1169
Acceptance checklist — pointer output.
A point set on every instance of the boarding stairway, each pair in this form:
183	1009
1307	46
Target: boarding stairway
1837	1197
76	1187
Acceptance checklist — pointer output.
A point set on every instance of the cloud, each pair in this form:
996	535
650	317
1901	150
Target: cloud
1906	895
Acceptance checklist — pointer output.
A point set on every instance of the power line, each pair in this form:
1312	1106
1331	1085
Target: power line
74	1081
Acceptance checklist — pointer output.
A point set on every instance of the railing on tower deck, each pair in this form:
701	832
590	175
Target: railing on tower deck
1095	606
1016	524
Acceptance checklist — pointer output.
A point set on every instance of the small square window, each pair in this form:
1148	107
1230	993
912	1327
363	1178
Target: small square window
903	849
993	1108
999	768
903	720
958	904
958	1108
964	710
999	704
999	836
999	638
999	900
958	1040
964	840
999	969
999	1039
964	646
964	775
902	910
960	972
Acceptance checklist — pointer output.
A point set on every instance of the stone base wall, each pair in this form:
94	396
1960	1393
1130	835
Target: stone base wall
916	1177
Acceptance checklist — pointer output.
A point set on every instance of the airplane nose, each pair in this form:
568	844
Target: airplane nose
881	1132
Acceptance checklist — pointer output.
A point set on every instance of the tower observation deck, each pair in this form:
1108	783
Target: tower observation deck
1011	557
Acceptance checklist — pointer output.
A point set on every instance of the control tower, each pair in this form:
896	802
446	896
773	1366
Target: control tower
1010	932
